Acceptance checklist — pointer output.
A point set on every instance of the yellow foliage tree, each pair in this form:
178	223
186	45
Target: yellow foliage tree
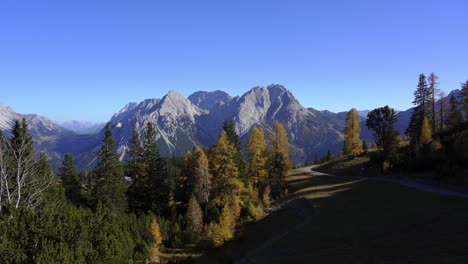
353	143
257	152
157	240
426	133
225	182
227	222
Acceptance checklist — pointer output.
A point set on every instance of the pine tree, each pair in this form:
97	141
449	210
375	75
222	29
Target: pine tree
186	182
257	153
464	95
364	146
422	95
225	183
156	186
109	185
352	144
134	165
421	102
23	180
426	134
441	116
433	90
279	162
135	169
70	179
194	218
455	117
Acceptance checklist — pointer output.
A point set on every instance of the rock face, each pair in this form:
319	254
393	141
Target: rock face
183	123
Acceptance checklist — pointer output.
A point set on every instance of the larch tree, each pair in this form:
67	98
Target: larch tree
279	162
157	241
203	176
233	137
109	185
194	218
70	179
352	142
382	122
258	157
225	183
426	133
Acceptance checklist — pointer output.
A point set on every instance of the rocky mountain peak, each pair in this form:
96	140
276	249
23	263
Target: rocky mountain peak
208	100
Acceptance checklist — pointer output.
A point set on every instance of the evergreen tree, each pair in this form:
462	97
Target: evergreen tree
135	166
464	95
186	181
433	90
135	169
441	116
157	187
23	180
233	137
381	121
279	162
257	153
421	102
70	179
426	134
364	145
352	142
455	117
109	185
422	95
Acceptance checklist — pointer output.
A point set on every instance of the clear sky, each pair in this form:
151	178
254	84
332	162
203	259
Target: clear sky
85	59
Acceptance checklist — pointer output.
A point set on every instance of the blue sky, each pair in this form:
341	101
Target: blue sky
85	59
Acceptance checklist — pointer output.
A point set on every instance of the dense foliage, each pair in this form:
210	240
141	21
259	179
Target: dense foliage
100	216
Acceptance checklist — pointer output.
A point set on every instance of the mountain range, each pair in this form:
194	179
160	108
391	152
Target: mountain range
183	123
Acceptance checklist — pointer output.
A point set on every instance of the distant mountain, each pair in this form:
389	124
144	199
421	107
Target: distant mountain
208	100
46	134
83	127
183	123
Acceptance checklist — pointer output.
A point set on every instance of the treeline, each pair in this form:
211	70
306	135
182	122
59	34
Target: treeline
120	213
437	133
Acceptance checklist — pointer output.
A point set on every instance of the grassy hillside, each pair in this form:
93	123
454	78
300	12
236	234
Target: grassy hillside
337	220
